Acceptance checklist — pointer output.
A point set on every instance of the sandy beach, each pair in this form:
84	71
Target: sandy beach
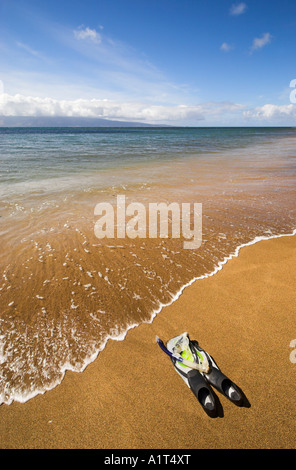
131	397
147	190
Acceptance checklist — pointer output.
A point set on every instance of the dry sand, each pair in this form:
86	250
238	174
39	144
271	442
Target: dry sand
131	397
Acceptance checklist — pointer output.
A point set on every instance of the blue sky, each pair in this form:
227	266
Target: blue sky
182	62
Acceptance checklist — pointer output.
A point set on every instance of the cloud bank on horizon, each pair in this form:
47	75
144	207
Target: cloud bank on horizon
177	67
19	105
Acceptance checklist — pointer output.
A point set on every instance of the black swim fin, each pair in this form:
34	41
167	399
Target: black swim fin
202	391
192	377
220	381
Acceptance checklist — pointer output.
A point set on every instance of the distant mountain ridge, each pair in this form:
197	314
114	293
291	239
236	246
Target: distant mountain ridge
62	121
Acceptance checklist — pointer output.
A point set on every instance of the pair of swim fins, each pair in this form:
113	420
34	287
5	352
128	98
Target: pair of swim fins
199	371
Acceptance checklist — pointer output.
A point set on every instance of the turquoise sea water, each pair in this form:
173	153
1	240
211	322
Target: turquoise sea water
38	154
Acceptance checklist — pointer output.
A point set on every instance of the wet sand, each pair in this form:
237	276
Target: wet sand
131	397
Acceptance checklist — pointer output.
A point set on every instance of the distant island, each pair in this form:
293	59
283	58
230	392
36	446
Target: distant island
62	121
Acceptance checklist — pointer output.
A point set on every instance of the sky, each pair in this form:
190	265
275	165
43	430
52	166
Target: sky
177	62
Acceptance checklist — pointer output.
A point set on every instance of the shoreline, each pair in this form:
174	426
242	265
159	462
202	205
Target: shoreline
122	335
70	291
99	393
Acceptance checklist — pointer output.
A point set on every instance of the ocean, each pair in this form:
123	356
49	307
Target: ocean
63	292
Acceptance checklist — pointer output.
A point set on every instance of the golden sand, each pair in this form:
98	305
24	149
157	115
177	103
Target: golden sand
131	397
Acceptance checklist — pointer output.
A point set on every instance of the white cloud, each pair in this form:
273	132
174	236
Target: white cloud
258	43
238	9
1	87
272	112
219	113
20	105
88	33
226	47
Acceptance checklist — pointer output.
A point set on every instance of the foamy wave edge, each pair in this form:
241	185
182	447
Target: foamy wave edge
120	335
